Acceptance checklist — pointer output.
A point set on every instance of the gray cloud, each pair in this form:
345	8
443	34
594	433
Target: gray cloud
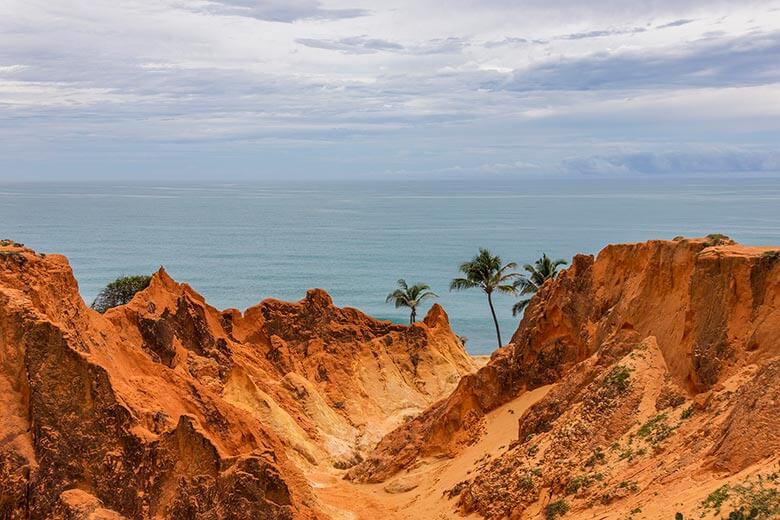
677	163
366	45
353	45
748	60
511	40
676	23
280	10
602	33
584	35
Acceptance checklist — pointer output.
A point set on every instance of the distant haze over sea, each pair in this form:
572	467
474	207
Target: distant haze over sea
239	243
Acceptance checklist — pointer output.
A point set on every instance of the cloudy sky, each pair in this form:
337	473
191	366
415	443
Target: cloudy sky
256	89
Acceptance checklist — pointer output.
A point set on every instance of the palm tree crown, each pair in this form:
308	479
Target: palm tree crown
543	269
485	272
411	297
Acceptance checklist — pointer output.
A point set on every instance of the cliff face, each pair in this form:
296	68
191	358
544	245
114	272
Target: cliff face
170	408
638	383
659	361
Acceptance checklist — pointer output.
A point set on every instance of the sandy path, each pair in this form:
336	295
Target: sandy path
428	480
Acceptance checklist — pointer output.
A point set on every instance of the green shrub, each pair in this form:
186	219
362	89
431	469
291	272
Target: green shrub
717	239
526	481
619	378
120	292
750	500
716	499
598	457
627	453
555	509
771	256
655	430
755	501
577	483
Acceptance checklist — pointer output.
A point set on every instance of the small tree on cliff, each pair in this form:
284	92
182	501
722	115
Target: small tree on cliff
485	272
543	269
410	297
120	292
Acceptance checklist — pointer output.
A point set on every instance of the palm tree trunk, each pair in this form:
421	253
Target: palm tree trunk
413	316
495	320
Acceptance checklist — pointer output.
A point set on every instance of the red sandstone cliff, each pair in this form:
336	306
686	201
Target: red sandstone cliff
658	363
169	408
638	383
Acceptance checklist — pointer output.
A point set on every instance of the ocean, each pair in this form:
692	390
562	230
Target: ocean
240	243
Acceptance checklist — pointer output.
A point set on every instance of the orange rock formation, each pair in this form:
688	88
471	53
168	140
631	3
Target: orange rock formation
169	408
660	365
641	383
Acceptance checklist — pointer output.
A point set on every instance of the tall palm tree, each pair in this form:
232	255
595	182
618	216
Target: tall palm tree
485	272
543	269
411	297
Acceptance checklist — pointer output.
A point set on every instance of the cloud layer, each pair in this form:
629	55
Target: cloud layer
307	88
277	10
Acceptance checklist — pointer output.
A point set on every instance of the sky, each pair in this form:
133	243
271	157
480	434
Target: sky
398	89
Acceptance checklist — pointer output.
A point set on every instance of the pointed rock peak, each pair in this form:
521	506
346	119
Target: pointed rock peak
318	298
162	280
162	276
162	288
436	317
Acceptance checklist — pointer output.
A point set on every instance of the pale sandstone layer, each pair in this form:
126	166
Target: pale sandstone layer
170	408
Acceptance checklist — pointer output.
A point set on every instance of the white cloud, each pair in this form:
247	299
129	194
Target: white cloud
479	88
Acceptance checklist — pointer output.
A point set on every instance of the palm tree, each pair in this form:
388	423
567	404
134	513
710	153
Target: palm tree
411	297
543	269
485	272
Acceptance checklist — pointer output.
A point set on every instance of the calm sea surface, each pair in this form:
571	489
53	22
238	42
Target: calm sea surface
238	244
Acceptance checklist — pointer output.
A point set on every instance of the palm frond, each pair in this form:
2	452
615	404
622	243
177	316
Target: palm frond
394	295
426	295
506	289
409	296
518	307
485	271
525	285
458	284
509	276
542	270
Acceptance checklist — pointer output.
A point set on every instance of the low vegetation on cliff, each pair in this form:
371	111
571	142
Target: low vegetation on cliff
120	292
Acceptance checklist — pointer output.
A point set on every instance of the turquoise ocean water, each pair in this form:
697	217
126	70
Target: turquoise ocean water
240	243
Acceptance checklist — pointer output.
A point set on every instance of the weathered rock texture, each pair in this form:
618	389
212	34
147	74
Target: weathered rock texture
664	360
169	408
